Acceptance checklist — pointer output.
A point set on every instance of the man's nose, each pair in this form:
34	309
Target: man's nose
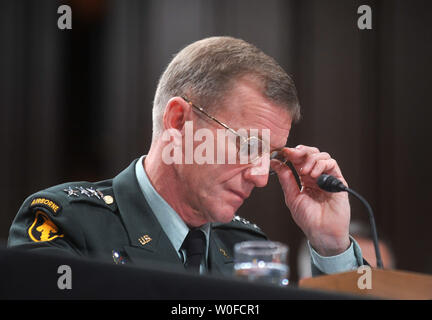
258	177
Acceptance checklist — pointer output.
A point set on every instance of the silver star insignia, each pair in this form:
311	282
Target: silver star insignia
83	191
244	221
100	193
93	192
240	219
71	192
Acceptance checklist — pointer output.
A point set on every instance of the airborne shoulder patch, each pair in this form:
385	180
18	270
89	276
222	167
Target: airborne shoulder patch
43	229
53	207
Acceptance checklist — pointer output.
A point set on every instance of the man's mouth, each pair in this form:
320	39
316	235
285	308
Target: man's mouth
240	194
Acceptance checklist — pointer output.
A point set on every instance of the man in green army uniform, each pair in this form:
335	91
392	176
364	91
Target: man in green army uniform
168	209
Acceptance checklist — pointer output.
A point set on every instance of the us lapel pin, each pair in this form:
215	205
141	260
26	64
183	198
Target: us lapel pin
223	252
144	239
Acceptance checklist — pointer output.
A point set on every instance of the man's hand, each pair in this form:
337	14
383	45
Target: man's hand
324	217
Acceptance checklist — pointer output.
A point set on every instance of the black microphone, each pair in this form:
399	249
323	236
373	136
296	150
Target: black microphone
332	184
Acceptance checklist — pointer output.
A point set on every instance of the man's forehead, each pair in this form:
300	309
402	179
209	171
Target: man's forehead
255	117
247	98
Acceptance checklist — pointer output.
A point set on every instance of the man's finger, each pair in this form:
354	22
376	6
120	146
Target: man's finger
287	180
298	154
311	160
329	166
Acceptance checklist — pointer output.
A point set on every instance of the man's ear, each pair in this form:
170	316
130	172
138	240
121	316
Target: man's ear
177	112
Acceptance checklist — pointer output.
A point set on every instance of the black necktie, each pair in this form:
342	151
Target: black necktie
194	244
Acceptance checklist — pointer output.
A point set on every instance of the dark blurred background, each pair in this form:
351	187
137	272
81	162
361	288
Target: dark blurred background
76	104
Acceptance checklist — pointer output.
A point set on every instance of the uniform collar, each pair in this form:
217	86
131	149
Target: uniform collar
143	229
170	221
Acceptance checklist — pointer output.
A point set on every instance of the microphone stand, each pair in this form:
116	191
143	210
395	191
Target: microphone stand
372	223
331	184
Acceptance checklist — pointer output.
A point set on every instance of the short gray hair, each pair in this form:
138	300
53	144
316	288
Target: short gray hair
204	70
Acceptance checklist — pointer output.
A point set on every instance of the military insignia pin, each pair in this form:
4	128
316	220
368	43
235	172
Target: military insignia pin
93	192
144	239
108	199
244	221
118	257
71	192
84	191
223	253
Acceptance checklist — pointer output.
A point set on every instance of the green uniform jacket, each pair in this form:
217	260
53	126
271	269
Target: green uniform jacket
111	221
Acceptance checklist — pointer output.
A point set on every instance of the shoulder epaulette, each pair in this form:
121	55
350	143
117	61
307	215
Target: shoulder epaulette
89	192
67	194
245	222
239	223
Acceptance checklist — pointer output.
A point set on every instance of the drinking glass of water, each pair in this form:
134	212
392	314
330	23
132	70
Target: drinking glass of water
262	261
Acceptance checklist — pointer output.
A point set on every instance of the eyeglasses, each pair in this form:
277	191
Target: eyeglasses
251	148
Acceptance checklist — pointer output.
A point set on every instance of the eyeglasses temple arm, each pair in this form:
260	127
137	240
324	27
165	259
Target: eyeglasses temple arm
213	118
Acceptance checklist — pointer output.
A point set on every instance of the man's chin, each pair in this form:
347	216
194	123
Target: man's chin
223	211
227	219
225	216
